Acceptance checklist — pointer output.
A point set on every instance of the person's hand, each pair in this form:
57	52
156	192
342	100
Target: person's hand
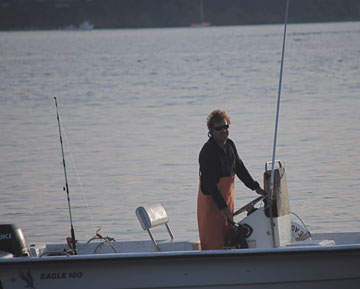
260	191
227	214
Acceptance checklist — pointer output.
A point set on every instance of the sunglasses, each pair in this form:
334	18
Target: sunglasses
219	128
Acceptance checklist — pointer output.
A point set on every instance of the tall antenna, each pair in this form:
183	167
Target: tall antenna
276	125
66	188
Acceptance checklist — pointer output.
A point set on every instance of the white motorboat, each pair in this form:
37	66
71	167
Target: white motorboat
287	256
86	25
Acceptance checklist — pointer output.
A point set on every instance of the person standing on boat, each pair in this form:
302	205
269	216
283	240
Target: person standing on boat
219	162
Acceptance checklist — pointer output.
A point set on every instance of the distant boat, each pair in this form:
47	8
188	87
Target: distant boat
86	25
202	23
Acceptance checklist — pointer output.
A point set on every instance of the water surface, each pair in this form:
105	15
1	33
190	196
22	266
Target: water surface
134	104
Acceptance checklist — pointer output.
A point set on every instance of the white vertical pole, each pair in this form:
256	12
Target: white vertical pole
276	125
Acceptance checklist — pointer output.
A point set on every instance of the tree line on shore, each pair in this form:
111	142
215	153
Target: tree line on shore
55	14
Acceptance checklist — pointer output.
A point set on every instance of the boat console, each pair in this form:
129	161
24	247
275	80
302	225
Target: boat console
260	219
276	213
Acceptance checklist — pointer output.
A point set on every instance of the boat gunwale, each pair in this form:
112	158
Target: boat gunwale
112	257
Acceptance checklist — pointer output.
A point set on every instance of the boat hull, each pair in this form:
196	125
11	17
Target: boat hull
323	267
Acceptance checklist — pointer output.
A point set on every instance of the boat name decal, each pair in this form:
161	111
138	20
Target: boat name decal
61	275
5	236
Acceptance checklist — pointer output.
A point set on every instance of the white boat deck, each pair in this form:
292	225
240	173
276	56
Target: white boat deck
145	246
330	240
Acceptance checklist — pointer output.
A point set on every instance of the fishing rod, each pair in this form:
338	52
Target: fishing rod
73	240
276	125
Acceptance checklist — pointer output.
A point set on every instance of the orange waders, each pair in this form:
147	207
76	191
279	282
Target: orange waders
214	230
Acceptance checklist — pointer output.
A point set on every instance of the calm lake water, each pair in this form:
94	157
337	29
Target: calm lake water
134	102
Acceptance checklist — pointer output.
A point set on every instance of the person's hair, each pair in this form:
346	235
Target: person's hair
217	115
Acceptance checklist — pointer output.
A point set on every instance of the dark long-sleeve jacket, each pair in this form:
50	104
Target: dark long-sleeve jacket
216	163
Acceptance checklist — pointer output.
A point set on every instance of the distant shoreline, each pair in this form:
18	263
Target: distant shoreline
108	14
165	27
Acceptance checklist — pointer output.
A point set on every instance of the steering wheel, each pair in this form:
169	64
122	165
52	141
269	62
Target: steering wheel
249	205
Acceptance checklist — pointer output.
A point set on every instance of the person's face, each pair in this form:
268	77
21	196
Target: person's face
220	132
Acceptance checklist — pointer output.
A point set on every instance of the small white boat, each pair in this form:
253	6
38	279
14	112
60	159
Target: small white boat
86	25
292	259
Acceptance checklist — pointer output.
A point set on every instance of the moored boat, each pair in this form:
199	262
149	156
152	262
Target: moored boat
202	22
